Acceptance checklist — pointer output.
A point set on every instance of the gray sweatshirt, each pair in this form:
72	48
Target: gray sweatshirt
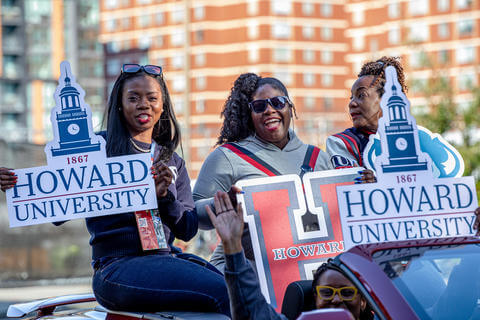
223	168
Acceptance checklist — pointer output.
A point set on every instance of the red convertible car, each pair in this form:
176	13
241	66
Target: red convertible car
435	279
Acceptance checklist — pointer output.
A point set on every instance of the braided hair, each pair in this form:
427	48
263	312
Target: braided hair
377	69
237	119
365	314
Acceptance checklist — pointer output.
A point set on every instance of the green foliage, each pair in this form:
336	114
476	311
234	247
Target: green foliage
442	114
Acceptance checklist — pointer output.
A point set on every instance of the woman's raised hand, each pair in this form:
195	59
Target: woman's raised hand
7	178
163	177
228	222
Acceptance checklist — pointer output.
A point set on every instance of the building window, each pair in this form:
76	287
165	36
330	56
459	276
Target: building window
200	59
419	32
178	83
158	41
327	56
111	4
199	35
326	9
252	7
178	104
463	4
281	54
253	53
201	82
159	18
284	76
144	20
308	8
327	103
252	29
283	7
144	1
418	7
394	36
309	102
200	106
178	37
443	56
308	55
126	23
358	17
199	12
466	81
308	32
443	5
177	15
327	33
110	25
465	27
327	80
443	30
178	61
113	66
358	42
465	55
308	79
418	59
280	30
394	10
144	42
113	47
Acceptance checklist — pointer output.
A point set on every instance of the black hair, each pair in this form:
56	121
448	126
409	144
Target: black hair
166	131
377	69
237	119
365	314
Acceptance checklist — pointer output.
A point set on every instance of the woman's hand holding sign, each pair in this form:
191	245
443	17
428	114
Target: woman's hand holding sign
476	224
7	178
228	222
163	178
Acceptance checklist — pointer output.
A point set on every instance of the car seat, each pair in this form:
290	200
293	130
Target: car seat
298	298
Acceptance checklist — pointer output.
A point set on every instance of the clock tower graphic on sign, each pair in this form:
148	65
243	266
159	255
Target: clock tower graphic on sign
400	136
72	122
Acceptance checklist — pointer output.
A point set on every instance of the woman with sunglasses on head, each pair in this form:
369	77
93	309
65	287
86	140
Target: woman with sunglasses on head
255	141
130	274
346	148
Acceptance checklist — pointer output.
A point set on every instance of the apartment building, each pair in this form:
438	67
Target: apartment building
36	35
204	45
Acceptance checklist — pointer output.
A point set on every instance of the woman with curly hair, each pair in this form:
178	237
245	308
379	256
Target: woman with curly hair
255	141
346	148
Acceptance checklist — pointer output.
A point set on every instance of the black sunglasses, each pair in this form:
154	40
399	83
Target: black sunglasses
149	68
278	103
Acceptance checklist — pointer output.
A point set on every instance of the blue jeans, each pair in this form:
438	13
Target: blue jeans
153	283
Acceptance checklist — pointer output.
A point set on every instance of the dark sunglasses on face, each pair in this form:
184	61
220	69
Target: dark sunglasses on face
278	103
344	293
149	68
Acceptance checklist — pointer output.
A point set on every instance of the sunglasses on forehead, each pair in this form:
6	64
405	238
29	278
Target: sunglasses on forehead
148	68
278	103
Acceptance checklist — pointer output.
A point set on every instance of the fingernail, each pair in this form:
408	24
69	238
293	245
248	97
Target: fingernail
358	179
360	172
242	192
358	182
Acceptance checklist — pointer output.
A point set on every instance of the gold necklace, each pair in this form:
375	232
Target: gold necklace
136	146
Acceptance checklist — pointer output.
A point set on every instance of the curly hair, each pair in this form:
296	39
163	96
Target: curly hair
377	69
237	119
365	314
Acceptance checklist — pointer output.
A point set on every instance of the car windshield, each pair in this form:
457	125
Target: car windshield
439	282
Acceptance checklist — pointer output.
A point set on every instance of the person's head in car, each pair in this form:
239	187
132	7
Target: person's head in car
331	289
